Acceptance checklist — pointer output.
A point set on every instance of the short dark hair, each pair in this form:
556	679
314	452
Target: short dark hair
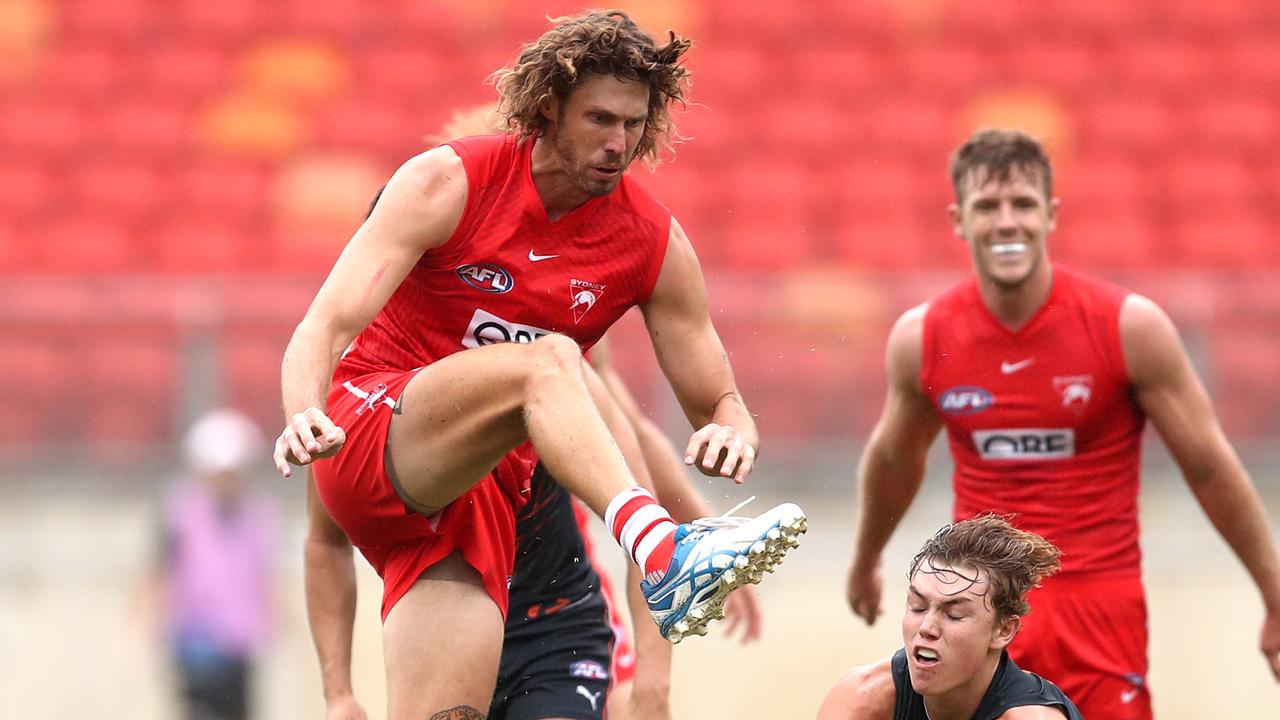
1015	560
600	42
995	154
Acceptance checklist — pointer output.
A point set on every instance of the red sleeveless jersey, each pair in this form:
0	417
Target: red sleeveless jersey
1042	421
509	273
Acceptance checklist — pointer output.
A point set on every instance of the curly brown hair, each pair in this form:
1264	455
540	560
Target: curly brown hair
1015	560
603	42
994	154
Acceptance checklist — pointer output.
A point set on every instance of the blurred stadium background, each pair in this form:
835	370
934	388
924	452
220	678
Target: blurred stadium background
176	176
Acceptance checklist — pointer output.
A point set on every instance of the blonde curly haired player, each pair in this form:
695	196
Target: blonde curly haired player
554	662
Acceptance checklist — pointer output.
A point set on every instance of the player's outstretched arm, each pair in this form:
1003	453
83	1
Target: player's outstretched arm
893	463
1171	394
693	359
419	209
863	693
330	580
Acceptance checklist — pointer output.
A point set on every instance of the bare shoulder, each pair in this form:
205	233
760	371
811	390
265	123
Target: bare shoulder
436	170
1152	348
865	692
1033	712
425	197
906	346
1141	314
679	249
680	283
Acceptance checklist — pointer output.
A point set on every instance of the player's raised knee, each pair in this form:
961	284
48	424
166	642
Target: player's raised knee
556	353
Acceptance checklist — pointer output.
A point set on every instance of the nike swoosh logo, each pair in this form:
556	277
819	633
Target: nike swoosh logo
535	257
1009	368
1128	695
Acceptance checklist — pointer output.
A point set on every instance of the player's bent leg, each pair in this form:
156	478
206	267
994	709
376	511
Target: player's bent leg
461	414
441	643
713	557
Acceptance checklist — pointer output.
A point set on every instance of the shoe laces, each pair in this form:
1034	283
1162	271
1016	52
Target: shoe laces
725	519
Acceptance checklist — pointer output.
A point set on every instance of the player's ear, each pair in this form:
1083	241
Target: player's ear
550	108
1006	629
957	220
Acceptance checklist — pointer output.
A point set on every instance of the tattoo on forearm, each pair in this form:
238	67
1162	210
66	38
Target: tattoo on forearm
462	712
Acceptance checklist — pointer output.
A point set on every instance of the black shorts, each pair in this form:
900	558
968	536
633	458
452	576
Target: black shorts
557	665
214	687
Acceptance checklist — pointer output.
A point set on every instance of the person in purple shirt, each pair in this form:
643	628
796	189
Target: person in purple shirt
213	579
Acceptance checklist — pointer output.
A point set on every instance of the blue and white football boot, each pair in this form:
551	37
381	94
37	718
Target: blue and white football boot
714	556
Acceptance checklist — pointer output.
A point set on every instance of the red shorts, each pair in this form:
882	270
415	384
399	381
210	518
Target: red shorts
1090	638
401	543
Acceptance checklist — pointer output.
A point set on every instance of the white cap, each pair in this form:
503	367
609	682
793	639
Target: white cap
223	441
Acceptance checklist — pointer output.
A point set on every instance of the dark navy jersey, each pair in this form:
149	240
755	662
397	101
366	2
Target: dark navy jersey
552	569
1011	687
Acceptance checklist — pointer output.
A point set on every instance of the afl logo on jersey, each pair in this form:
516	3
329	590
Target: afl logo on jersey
486	277
965	400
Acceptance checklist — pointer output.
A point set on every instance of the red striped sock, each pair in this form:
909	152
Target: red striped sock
644	529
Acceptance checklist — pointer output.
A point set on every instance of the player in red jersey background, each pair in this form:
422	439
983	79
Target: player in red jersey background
448	341
1044	379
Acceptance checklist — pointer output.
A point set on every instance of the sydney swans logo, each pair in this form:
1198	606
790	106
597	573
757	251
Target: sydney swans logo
583	296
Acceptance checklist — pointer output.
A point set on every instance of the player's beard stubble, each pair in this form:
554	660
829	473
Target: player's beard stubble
580	170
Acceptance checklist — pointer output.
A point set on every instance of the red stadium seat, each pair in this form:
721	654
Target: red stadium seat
1090	20
840	74
351	20
1200	182
203	245
1252	64
1241	124
129	384
223	21
46	127
80	244
118	186
251	361
1170	67
409	71
146	125
123	21
237	190
29	188
732	71
953	69
909	126
1242	357
35	383
1071	67
1215	239
1142	126
17	254
1124	238
781	239
374	124
1110	183
90	70
895	242
185	71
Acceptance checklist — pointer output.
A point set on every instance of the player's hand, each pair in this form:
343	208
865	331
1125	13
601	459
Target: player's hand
344	707
742	609
865	586
309	436
720	450
1269	642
